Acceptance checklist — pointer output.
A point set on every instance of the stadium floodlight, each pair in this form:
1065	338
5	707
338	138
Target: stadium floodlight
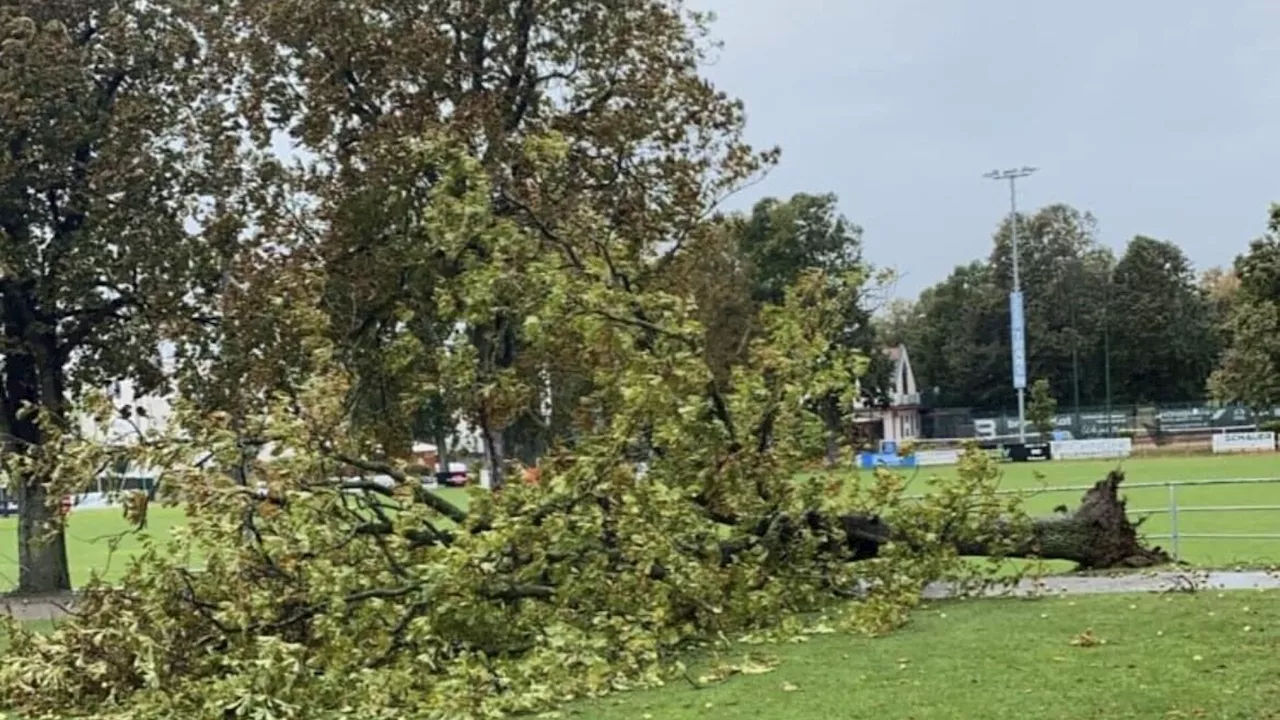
1017	324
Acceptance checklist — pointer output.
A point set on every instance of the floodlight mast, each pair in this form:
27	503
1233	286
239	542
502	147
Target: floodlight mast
1017	326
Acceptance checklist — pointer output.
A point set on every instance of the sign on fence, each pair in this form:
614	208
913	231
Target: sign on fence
1027	452
870	460
1244	442
928	458
1086	449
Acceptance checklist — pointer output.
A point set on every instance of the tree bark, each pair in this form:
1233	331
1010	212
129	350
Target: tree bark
495	455
32	374
42	544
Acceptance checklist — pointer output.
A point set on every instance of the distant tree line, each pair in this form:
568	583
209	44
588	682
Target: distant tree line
1141	328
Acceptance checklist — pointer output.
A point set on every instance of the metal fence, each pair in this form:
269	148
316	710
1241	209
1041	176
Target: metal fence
1174	510
1171	419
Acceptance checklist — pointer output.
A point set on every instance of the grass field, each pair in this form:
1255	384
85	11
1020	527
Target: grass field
89	532
1172	656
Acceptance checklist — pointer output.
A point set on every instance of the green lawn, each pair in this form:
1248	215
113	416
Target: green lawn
90	532
1172	656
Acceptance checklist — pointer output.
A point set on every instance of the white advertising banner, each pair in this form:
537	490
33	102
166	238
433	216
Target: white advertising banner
927	458
1091	449
1244	442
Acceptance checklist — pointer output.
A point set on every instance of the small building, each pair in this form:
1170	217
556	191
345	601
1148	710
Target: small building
899	419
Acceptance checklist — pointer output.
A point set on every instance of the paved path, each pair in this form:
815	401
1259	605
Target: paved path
53	607
42	607
1162	581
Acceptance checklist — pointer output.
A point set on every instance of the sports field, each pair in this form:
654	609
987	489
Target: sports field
97	539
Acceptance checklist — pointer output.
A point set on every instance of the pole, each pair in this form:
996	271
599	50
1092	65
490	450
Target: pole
1017	326
1075	353
1017	288
1106	348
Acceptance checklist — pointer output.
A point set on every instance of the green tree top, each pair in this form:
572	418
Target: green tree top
1042	407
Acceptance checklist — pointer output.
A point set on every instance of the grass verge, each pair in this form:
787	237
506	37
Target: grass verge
1207	655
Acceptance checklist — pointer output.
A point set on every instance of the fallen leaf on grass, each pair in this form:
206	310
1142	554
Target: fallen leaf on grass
1087	639
750	665
788	687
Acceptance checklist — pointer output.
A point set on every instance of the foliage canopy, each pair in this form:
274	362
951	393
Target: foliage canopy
486	199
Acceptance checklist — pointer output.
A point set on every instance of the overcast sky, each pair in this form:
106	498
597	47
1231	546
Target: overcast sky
1160	117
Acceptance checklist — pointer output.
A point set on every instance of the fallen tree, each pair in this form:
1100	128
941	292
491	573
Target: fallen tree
319	597
1098	534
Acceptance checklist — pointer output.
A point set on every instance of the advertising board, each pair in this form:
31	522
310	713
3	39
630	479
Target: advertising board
930	458
871	461
1091	449
1244	442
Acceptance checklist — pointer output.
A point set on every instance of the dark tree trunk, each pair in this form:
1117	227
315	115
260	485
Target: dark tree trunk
1097	534
42	545
442	449
831	420
32	371
495	454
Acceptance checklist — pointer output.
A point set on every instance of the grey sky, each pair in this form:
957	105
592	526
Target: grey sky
1160	117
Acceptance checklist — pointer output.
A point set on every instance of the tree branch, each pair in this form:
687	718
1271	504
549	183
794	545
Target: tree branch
90	320
420	494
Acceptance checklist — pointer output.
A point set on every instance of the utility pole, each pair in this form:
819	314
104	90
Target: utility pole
1017	322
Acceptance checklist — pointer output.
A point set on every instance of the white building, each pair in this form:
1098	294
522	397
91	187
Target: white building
900	420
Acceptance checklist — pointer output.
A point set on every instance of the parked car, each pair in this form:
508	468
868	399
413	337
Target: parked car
455	476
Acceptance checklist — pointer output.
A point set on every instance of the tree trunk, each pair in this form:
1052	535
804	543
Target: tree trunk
32	375
42	545
1097	534
495	456
831	420
442	449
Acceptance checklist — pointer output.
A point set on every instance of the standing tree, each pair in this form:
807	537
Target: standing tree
1163	342
1042	408
961	341
1064	277
779	242
713	269
104	163
1249	371
649	149
964	333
